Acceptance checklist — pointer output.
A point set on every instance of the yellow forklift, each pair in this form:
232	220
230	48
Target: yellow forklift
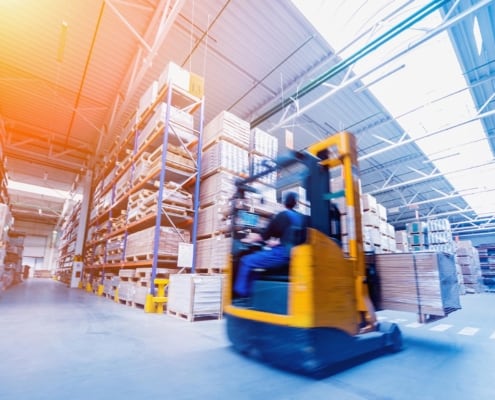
316	315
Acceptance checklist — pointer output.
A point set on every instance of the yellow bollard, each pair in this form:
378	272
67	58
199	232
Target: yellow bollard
89	288
99	292
149	305
155	304
160	299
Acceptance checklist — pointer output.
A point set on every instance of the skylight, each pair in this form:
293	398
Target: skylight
427	79
41	190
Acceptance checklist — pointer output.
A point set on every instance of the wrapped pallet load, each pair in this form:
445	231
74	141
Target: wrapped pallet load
423	282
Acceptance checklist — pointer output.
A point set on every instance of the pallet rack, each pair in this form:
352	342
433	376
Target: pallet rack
149	187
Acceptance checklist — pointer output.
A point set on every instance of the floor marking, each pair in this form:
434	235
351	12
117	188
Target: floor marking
440	327
398	320
381	318
468	331
414	325
493	336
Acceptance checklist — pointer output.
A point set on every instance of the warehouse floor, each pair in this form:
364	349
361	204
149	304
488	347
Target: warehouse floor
60	343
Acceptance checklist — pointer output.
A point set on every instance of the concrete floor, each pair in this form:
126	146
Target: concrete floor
60	343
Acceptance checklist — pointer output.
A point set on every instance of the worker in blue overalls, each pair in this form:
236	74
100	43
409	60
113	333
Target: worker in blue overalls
287	228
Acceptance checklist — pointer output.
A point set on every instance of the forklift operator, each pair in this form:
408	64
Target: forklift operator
284	231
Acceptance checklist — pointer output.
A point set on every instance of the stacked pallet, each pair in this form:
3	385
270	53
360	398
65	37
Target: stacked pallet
181	127
145	202
140	245
192	296
212	253
217	188
468	261
225	158
127	285
227	127
402	241
115	249
421	282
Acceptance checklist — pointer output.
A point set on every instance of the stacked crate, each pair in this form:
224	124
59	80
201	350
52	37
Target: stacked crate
225	158
439	235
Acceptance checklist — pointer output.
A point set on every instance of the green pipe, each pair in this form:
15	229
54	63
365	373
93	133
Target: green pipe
342	65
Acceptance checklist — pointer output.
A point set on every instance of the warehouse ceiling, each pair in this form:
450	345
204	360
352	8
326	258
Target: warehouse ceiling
72	73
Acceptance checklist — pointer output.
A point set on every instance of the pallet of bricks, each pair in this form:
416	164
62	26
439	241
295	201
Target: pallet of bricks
225	158
468	262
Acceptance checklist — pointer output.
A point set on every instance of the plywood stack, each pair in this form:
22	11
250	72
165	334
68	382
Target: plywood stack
468	261
140	245
192	296
421	282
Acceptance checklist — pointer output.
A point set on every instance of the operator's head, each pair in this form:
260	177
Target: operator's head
290	200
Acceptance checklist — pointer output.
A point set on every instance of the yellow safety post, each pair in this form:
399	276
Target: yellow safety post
89	288
155	304
116	295
99	292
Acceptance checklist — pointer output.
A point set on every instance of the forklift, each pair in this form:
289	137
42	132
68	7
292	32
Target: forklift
316	315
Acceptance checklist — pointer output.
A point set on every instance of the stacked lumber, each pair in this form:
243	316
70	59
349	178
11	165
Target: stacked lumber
424	282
